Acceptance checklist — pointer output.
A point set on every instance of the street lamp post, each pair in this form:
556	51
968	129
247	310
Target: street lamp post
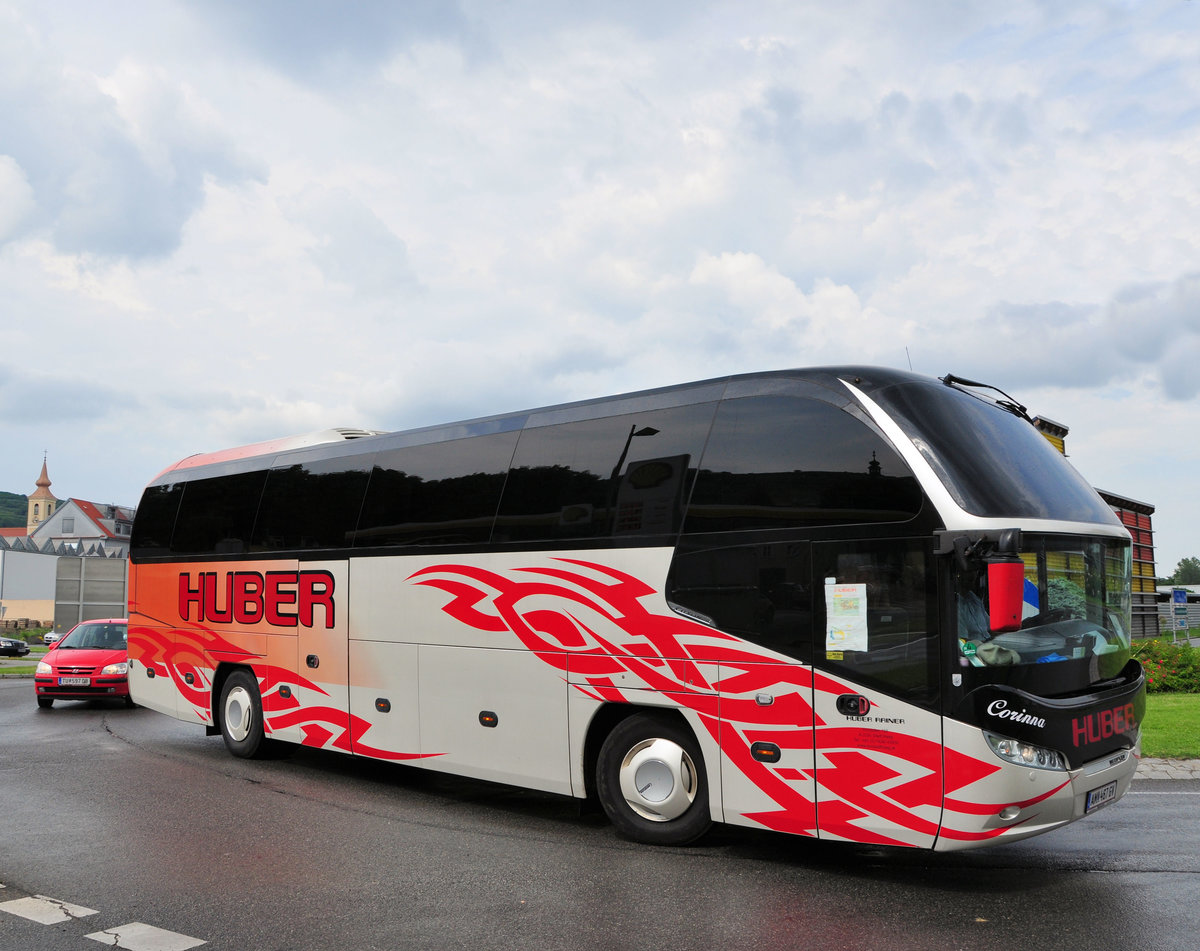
614	479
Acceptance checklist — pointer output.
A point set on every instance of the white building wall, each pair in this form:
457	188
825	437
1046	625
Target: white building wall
27	585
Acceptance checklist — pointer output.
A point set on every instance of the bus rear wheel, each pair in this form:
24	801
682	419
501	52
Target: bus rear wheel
650	780
242	716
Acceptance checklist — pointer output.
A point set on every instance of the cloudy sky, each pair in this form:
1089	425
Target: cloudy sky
224	221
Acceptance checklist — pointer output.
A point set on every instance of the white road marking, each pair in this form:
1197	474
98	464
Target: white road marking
137	936
45	911
1161	792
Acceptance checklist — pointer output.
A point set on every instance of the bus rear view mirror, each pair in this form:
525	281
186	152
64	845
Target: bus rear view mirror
1006	589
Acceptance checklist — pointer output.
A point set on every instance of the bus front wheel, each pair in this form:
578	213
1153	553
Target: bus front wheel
242	715
650	780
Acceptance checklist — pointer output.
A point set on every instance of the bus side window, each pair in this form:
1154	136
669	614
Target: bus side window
434	494
309	506
777	462
623	476
216	515
155	523
876	616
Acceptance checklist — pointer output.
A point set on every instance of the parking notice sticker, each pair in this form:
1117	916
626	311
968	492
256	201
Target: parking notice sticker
846	616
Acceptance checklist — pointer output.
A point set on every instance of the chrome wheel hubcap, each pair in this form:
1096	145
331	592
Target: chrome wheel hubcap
658	780
237	713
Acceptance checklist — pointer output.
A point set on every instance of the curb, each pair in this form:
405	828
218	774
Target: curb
1150	768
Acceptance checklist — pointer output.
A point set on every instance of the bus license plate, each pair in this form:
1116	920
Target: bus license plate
1101	797
74	681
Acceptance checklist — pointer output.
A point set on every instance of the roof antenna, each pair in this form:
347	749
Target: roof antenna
907	354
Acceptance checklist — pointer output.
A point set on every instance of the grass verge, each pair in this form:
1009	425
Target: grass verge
1170	730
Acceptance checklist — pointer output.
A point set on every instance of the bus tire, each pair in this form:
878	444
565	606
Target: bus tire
242	716
650	780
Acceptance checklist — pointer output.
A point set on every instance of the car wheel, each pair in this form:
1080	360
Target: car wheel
242	716
45	702
650	780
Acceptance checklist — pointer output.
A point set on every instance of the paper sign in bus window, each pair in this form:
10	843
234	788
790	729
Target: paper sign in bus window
846	617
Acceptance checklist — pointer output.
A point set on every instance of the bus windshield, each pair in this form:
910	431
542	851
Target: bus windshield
1075	617
992	461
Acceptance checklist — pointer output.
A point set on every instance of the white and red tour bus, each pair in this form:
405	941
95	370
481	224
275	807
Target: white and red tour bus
848	603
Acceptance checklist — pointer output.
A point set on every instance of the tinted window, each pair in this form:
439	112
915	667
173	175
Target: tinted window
992	461
309	506
621	475
442	493
155	521
760	592
216	515
782	461
876	617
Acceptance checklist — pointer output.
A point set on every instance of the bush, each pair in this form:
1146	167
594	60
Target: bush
1170	668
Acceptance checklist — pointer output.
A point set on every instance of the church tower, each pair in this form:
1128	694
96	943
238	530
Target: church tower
41	504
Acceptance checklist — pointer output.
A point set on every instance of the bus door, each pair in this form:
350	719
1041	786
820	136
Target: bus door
760	594
878	736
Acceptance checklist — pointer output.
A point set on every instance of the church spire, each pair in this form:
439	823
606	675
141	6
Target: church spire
41	503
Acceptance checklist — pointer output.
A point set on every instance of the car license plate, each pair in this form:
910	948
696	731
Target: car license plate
74	681
1101	797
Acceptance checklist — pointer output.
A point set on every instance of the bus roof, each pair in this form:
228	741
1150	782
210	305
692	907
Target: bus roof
867	379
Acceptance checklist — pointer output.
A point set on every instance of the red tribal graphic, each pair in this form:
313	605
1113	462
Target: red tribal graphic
592	623
184	658
588	619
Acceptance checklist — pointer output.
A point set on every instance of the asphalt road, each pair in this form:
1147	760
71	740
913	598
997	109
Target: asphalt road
143	821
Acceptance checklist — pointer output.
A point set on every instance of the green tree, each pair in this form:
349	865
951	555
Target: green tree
1063	594
13	510
1186	572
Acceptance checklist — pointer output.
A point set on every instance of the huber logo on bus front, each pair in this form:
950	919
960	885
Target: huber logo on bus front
280	598
1103	724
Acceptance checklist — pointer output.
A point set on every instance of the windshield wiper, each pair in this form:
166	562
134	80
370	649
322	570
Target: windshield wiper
1007	403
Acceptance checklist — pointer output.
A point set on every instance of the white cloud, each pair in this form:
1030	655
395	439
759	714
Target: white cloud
16	198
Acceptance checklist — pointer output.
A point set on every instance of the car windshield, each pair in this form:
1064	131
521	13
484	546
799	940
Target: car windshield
1075	617
101	636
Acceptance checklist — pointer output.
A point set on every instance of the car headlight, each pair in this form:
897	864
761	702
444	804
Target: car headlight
44	668
121	668
1020	753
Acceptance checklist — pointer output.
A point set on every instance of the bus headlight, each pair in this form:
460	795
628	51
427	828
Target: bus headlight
1020	753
